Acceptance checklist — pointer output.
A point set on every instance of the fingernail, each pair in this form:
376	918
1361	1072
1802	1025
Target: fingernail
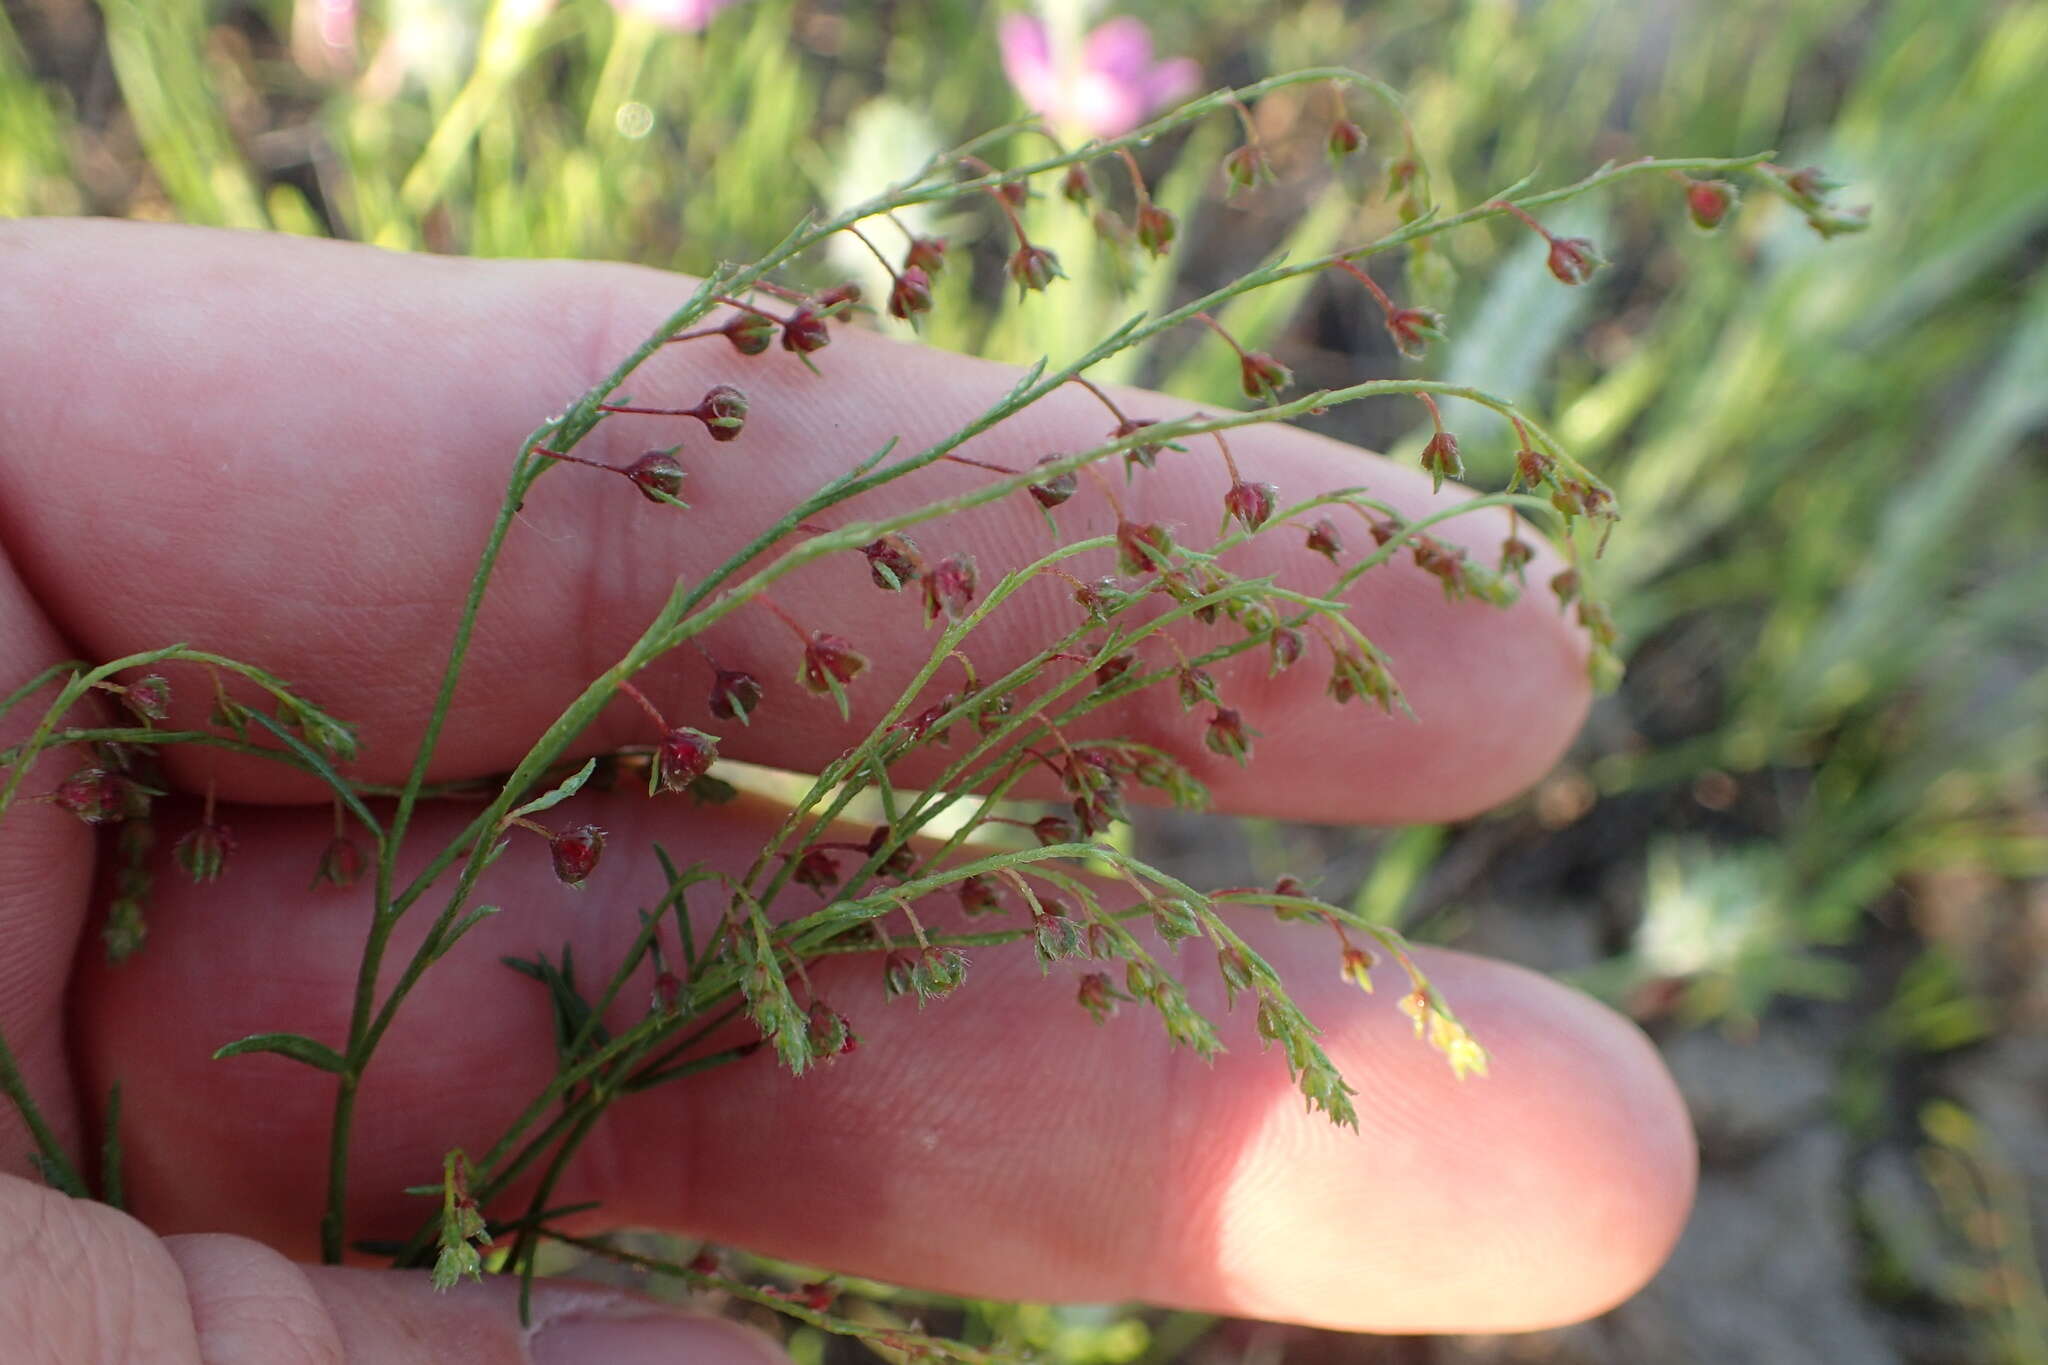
649	1339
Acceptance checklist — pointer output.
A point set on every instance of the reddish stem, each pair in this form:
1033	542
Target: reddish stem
640	697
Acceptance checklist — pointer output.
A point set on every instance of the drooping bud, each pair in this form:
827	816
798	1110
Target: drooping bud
1142	547
724	410
1413	329
658	475
1533	467
1228	735
1262	377
1098	996
1112	670
1033	268
341	863
1251	504
901	861
1515	554
1357	968
1076	187
1146	454
1440	458
1709	202
1346	139
911	294
1385	529
1322	538
927	254
1566	585
734	695
893	560
1195	686
805	331
204	851
1058	488
750	332
830	303
979	895
1053	829
1015	193
1355	674
1101	598
818	870
97	796
148	696
683	756
1245	167
1287	645
575	852
949	588
830	1035
1175	918
1097	812
1054	933
1236	971
1155	229
1573	259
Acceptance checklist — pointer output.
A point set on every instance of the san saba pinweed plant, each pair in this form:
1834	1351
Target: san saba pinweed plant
1164	624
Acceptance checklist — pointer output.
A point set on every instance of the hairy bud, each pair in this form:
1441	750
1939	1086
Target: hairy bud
575	852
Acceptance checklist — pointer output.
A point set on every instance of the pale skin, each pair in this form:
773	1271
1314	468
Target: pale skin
288	451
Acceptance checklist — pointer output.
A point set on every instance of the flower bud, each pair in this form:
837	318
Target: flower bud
1097	996
97	796
750	332
1286	646
1566	585
1709	202
979	895
911	294
1147	454
734	695
1573	259
1346	139
1245	167
1533	467
1515	554
1053	829
1100	598
204	851
942	969
148	696
832	302
1356	674
667	996
1262	377
1414	328
1143	981
1054	933
1228	735
1076	187
1098	811
1112	670
899	975
927	254
1236	971
575	852
341	863
1251	503
1322	538
818	870
1033	268
805	331
1357	968
1195	687
1155	229
1385	529
902	860
893	561
1015	193
1175	919
1142	547
724	410
949	588
1440	458
657	474
683	756
830	1035
1056	489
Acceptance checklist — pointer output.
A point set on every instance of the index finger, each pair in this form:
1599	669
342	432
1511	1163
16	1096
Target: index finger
290	452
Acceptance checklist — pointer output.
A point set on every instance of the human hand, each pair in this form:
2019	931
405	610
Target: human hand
288	451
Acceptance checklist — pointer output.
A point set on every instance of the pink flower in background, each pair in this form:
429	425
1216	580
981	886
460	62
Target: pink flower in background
1107	88
684	16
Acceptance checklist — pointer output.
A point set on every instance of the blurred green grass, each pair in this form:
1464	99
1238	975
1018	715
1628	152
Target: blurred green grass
1831	578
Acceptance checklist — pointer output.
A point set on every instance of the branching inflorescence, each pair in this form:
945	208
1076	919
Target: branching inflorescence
1160	622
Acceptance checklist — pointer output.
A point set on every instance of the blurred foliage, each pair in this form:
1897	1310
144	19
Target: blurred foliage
1831	574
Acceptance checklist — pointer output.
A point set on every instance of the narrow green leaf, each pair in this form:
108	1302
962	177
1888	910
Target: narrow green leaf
569	788
296	1046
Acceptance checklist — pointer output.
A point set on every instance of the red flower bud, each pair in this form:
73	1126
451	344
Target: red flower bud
205	851
1147	454
1076	187
99	797
1356	674
1287	646
1262	377
1228	735
830	1036
1155	228
734	695
1142	547
1532	467
1100	598
1015	193
1195	686
1251	503
575	852
949	588
1515	554
1357	968
683	756
148	696
1245	167
836	300
1053	829
979	896
1414	328
1709	202
1573	259
1346	139
1111	670
817	870
1056	489
1566	585
1097	996
901	862
341	863
750	332
1033	267
911	294
1385	529
1322	538
724	410
1054	933
657	474
805	331
893	561
1440	458
927	254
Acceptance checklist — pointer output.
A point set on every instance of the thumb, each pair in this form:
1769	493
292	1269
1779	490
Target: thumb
82	1283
